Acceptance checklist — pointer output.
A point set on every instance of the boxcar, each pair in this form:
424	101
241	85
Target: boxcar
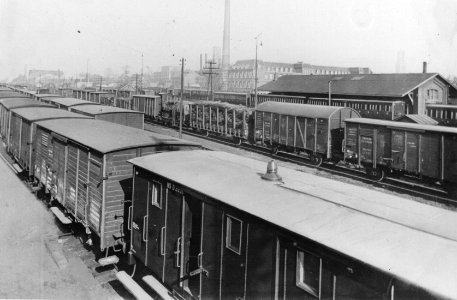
38	97
66	103
7	104
446	115
100	97
11	94
233	98
23	129
316	130
220	118
116	115
150	105
306	237
83	164
427	151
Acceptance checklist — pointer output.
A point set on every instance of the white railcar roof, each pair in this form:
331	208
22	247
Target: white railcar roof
303	110
69	101
403	125
413	241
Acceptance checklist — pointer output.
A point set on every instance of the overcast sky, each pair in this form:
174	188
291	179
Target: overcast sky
66	34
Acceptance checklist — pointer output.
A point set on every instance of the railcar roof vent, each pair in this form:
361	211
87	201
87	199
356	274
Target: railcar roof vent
272	172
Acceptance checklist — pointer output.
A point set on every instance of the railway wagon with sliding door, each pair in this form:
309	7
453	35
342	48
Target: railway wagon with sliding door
304	237
23	131
150	105
7	104
426	151
112	114
318	131
66	103
83	164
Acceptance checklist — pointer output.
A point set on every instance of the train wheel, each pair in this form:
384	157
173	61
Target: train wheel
316	160
274	150
377	174
239	141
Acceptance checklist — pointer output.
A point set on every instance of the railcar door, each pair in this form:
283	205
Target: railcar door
398	149
283	130
155	228
322	135
138	214
311	134
300	133
412	152
430	162
58	169
234	258
290	131
383	146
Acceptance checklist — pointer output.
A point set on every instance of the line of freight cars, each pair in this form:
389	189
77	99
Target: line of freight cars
213	225
80	163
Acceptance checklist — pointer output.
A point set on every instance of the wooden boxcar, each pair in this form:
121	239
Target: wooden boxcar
83	163
219	118
22	131
116	115
424	150
150	105
446	115
7	104
306	237
66	103
100	97
316	130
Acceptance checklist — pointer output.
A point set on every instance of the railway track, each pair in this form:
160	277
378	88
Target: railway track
416	189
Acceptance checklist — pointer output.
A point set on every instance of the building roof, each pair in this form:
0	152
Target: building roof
302	110
404	125
106	137
10	103
419	119
381	85
102	109
69	101
45	113
399	236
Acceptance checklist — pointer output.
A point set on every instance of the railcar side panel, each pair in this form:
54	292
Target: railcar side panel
58	169
383	146
24	148
139	214
412	152
450	158
72	179
283	129
311	132
300	133
430	155
398	149
275	133
83	180
322	137
15	135
155	227
95	193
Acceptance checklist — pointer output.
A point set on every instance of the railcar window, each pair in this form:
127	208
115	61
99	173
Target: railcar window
155	194
308	274
233	235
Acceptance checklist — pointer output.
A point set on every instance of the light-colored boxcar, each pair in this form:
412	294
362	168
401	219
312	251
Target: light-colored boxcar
66	103
150	105
83	163
23	129
116	115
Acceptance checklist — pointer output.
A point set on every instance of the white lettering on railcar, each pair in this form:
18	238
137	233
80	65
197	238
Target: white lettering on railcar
135	226
174	188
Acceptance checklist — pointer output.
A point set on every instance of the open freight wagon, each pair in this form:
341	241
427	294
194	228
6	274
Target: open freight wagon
83	164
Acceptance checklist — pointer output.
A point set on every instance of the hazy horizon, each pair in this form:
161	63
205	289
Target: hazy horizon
66	34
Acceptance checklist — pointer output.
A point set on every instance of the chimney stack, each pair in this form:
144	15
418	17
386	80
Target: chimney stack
424	67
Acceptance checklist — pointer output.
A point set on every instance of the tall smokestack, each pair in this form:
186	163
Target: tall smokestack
424	67
226	45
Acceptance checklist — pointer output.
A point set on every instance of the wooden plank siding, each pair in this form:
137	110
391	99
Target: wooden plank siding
24	151
71	183
15	135
83	180
134	120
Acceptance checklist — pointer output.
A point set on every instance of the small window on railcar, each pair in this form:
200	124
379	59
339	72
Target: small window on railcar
155	193
308	272
233	234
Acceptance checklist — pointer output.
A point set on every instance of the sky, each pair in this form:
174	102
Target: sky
104	36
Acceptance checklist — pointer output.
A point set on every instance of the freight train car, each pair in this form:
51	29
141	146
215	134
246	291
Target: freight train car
150	105
116	115
292	236
7	104
22	132
219	118
426	151
317	131
66	103
83	164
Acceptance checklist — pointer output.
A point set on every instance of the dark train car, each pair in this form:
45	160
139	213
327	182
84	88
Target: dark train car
7	104
305	237
66	103
233	98
116	115
426	151
83	164
23	131
446	115
376	109
219	118
150	105
316	130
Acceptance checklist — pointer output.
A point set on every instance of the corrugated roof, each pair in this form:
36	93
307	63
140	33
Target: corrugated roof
396	235
404	125
69	101
106	136
101	109
45	113
303	110
419	119
387	85
11	103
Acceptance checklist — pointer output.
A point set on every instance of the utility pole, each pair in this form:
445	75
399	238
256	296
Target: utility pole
181	102
330	93
210	72
255	76
141	79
